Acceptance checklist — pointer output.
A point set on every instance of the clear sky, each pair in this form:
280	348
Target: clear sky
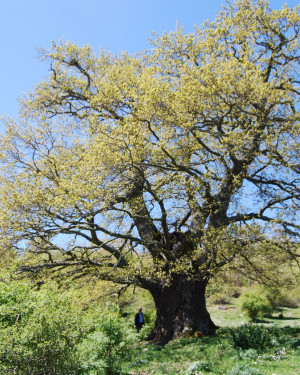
115	25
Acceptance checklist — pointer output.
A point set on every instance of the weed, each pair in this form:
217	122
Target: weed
195	367
244	369
251	336
279	355
249	354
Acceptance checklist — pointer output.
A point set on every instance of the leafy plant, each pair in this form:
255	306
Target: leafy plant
38	330
255	305
250	336
105	350
244	369
195	367
249	354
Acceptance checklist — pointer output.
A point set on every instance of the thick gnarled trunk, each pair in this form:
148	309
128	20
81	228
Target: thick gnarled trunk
181	309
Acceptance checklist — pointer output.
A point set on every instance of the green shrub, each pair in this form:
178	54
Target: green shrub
280	298
46	332
17	301
39	330
105	350
149	317
295	343
288	300
255	305
250	336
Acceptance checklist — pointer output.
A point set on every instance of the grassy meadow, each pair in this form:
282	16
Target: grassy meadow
217	355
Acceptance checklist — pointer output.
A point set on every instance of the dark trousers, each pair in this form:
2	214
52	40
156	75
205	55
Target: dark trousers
138	327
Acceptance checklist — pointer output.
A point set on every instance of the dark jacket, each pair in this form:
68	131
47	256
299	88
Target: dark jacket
137	322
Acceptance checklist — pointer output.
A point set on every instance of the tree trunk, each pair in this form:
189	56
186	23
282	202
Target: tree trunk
181	309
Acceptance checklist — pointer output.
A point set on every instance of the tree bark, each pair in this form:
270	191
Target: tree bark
181	309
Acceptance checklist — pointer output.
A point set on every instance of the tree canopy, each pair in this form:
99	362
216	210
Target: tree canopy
161	166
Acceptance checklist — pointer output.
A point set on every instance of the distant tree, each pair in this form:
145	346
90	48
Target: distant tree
158	169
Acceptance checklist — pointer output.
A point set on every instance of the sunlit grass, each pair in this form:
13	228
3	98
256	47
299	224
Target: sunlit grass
215	355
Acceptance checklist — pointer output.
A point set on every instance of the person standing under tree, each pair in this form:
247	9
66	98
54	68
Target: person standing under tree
139	320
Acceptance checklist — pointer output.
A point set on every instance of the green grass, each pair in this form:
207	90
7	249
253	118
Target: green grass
216	355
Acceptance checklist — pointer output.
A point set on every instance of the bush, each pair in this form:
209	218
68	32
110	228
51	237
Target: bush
295	343
105	350
255	305
46	332
250	336
221	300
39	330
280	298
288	300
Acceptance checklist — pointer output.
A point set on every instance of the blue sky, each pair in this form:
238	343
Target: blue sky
115	25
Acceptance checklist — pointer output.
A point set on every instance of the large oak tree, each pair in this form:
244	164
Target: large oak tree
158	169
